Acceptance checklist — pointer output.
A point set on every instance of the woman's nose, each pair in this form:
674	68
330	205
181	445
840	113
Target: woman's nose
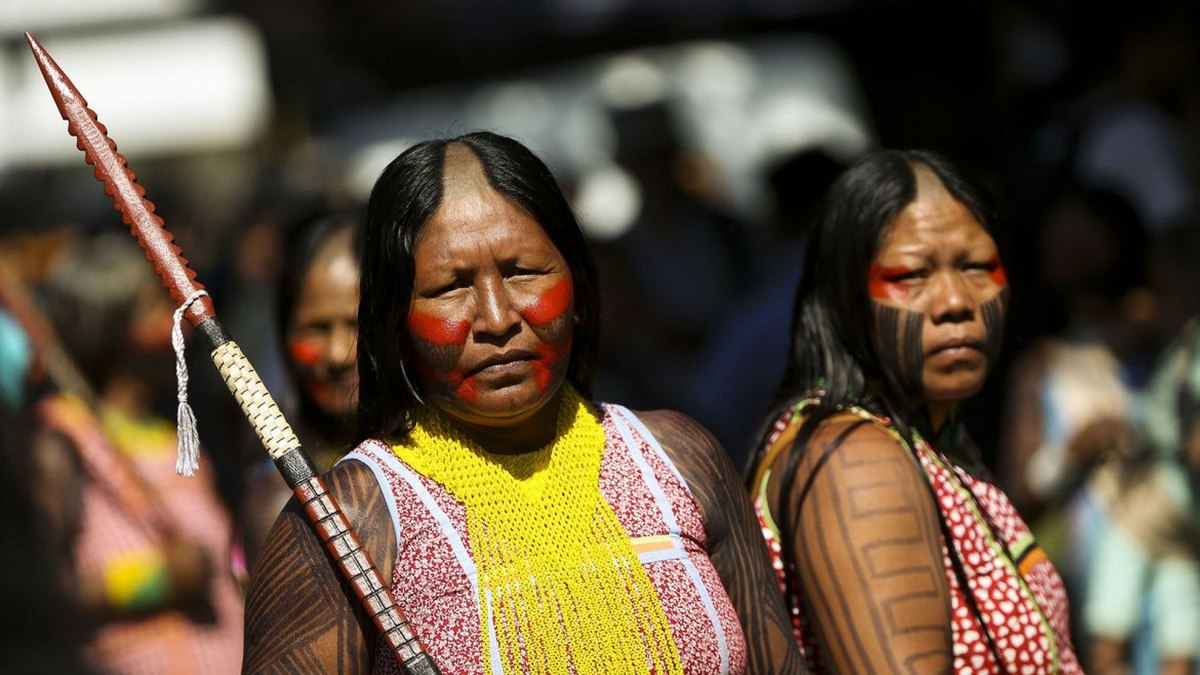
495	313
343	345
952	299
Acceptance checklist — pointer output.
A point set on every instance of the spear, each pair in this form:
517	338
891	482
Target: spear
341	542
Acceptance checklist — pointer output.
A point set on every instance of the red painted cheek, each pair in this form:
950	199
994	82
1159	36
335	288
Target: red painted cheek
883	282
465	388
998	274
320	392
440	332
551	304
304	352
549	355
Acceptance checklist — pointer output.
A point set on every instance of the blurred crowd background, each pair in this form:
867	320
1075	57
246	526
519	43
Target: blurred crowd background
693	138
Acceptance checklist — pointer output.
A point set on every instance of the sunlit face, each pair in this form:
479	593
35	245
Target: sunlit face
939	292
322	340
493	304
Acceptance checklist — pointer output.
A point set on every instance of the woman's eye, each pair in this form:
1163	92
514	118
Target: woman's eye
895	274
524	270
448	287
907	275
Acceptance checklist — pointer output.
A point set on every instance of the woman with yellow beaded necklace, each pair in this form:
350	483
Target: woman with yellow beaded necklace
525	528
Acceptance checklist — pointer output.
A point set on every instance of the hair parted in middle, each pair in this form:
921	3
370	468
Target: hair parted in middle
405	197
831	346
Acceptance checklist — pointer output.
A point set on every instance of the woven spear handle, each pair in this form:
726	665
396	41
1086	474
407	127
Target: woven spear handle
331	526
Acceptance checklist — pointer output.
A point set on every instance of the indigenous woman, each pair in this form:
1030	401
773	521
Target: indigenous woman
894	545
318	323
525	528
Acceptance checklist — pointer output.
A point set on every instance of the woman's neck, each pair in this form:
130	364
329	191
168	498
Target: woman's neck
527	435
938	415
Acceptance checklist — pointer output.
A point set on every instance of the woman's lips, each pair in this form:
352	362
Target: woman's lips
956	346
503	364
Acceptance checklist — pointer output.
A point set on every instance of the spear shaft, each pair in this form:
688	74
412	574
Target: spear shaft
334	530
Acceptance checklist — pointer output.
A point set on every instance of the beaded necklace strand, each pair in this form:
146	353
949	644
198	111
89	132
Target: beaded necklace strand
566	590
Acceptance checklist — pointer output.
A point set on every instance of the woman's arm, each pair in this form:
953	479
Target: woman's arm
735	543
300	616
868	551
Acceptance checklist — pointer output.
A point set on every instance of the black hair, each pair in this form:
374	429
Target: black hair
403	200
831	345
303	241
96	283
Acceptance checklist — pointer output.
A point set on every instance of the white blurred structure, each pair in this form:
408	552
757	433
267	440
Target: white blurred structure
18	16
173	87
740	105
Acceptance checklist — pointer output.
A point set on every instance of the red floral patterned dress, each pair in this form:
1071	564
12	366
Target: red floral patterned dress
434	573
1019	599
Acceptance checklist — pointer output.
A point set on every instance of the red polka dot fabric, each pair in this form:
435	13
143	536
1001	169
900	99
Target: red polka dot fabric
1019	599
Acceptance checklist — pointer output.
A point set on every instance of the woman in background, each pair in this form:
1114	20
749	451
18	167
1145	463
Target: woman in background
896	548
318	324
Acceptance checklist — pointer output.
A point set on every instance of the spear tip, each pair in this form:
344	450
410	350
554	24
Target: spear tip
34	45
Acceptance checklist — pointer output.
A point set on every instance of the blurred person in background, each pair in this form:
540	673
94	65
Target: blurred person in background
671	278
1143	613
41	631
738	371
1073	392
317	321
485	464
1122	124
895	546
150	549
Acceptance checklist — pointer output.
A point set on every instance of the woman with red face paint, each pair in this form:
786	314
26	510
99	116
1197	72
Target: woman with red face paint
894	546
317	304
525	528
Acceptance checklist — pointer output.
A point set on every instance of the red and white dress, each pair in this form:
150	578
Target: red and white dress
434	577
1019	599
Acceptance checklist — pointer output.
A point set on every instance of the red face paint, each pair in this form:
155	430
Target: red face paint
304	352
551	304
887	283
997	272
548	355
466	388
440	332
320	392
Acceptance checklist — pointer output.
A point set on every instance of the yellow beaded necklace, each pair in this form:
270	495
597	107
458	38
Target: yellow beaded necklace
566	588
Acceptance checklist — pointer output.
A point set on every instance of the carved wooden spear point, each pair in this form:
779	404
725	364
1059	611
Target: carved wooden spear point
120	183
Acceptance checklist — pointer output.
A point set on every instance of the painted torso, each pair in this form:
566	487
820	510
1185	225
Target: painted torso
1020	598
434	575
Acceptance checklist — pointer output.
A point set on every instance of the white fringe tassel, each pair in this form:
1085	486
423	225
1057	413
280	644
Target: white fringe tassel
188	459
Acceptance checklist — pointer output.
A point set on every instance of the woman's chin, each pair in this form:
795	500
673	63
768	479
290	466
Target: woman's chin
500	407
955	390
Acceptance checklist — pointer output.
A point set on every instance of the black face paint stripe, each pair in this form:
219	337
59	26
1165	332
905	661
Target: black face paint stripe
902	353
993	312
914	349
886	337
